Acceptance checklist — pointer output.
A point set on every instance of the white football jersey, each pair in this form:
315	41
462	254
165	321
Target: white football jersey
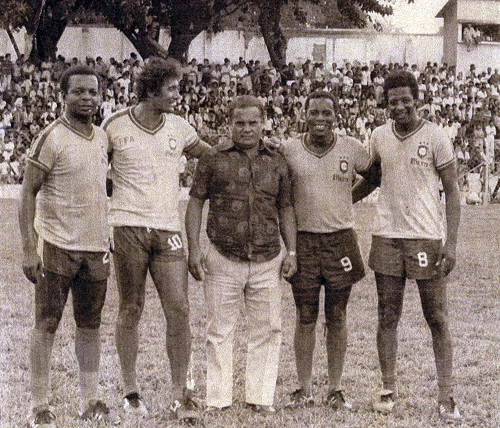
322	184
409	204
145	169
71	206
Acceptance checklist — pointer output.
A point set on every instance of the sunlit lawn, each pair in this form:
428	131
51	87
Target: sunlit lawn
474	296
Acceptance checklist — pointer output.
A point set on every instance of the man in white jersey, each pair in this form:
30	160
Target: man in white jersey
146	143
65	235
412	156
323	166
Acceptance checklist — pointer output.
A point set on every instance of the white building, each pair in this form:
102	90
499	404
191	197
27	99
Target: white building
482	16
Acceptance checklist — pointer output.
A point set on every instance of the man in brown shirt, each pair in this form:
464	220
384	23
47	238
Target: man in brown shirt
249	191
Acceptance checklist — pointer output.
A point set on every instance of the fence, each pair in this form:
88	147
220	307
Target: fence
483	183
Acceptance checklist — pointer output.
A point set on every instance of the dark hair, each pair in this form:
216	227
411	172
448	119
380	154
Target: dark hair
154	74
246	101
77	70
401	79
321	94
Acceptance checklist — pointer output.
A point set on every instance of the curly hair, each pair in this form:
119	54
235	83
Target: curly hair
154	74
401	79
77	70
321	94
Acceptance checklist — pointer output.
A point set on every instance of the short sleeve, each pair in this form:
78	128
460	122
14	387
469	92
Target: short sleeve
105	125
202	176
444	153
285	197
110	143
189	135
361	157
43	153
374	152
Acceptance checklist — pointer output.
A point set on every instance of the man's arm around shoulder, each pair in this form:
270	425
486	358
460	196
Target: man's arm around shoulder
368	183
200	148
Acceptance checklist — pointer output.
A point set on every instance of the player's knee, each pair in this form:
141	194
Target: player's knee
177	315
336	318
388	321
88	321
437	321
48	324
178	324
88	316
129	316
308	314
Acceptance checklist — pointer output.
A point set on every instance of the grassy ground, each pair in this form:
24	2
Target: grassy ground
474	296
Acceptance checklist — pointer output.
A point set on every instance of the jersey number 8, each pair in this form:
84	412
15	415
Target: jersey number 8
422	259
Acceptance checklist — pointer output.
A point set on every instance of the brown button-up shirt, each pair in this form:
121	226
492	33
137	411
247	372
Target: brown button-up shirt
245	196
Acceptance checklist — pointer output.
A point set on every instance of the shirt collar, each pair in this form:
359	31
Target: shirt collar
231	147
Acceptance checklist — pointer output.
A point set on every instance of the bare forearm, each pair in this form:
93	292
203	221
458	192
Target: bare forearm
288	227
452	199
193	222
27	220
452	216
362	189
368	183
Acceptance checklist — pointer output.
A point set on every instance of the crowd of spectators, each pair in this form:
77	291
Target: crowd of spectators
467	104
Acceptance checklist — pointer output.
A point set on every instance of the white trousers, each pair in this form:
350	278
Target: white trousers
258	285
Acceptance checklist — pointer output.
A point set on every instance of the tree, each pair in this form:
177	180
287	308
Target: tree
54	16
46	21
139	20
270	15
269	23
15	15
190	17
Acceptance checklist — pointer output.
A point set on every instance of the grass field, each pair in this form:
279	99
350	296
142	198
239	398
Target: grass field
474	297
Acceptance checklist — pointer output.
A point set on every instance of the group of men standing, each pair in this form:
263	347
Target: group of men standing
301	193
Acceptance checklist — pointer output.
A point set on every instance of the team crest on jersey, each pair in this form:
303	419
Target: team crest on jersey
344	165
422	151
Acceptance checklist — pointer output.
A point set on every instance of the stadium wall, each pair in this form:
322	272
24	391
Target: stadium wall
363	46
327	45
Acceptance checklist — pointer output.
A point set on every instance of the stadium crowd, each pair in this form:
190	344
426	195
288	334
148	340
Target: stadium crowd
466	104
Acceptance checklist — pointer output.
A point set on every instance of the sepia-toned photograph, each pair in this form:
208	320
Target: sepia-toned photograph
250	213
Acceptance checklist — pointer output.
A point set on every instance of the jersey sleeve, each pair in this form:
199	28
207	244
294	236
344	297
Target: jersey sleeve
444	153
109	136
43	154
201	180
361	157
374	151
285	197
189	135
105	126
